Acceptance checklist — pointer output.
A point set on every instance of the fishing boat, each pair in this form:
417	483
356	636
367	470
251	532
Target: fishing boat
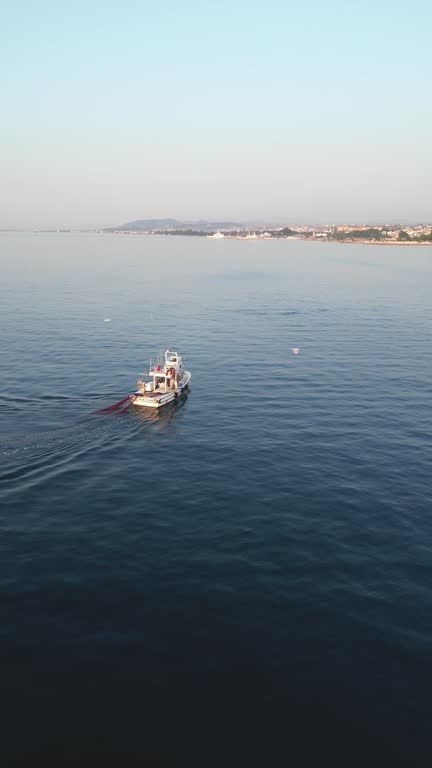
166	381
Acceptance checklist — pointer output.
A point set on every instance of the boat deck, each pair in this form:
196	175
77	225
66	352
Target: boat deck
154	395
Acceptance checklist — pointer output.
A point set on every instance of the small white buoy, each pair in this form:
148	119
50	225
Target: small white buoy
295	350
107	319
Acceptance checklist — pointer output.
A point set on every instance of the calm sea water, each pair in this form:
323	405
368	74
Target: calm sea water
248	572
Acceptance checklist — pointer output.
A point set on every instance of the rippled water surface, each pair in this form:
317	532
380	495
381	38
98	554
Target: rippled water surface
251	567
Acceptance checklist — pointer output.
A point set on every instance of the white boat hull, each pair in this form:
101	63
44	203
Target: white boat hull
159	399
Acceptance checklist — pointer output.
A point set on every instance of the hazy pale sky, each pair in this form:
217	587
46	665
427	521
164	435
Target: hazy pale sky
306	111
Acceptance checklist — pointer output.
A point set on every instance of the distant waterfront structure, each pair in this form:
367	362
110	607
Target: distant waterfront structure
217	235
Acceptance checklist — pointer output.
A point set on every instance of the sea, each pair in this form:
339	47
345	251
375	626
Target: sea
246	576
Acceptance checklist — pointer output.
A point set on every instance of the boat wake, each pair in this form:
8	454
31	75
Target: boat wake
29	459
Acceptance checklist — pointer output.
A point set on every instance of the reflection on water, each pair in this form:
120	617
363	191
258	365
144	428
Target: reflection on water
160	418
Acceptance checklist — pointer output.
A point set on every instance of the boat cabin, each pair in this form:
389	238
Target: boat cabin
165	376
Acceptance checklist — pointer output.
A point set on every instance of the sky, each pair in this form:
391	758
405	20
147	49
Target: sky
294	111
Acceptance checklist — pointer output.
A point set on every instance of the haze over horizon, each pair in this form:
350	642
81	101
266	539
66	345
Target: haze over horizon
309	113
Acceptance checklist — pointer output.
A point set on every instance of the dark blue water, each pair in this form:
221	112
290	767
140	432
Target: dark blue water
247	574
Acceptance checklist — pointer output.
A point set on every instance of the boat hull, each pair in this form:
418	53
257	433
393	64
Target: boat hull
152	402
158	400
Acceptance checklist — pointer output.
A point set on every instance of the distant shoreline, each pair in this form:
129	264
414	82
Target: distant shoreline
304	236
378	234
380	242
249	238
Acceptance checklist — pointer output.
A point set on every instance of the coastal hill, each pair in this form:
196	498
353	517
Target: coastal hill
152	225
